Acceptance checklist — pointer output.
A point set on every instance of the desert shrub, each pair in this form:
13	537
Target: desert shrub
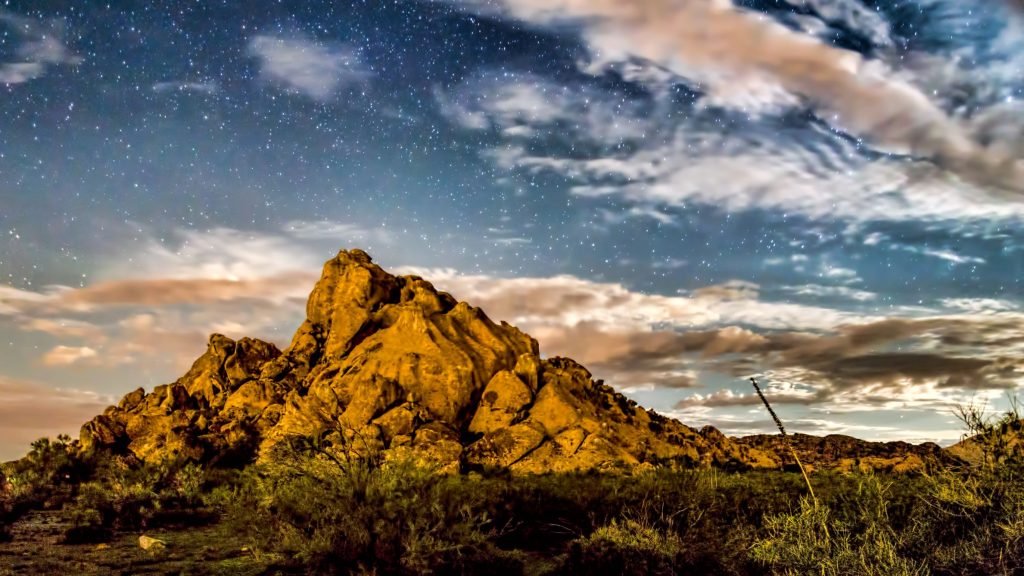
47	475
122	498
971	520
7	518
126	495
626	547
713	515
92	516
7	515
333	511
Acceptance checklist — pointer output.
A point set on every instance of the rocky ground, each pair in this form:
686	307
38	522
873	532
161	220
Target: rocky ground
38	548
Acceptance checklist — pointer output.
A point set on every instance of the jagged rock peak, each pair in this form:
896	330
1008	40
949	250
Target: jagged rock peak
416	374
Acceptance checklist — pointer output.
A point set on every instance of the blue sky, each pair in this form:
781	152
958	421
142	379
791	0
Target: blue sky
826	194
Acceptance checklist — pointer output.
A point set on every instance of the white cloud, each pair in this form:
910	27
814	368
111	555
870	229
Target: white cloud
20	72
725	49
669	263
219	266
315	69
64	328
522	106
215	254
756	423
679	162
530	102
207	87
950	256
838	273
853	14
818	181
342	233
819	291
980	306
68	355
189	284
727	398
510	242
13	299
41	45
568	301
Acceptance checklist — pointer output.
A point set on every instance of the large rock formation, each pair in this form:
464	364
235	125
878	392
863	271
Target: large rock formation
393	365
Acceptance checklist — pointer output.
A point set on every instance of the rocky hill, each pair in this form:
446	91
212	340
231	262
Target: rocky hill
993	442
848	454
396	366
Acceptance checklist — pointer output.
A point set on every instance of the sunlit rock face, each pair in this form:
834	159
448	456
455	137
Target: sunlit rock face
848	454
209	413
412	372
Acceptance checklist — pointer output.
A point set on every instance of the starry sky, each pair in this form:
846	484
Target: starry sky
681	194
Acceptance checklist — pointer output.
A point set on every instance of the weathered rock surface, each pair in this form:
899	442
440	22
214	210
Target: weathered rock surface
400	367
151	544
848	454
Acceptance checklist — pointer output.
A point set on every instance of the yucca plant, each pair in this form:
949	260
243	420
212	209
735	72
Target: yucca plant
785	439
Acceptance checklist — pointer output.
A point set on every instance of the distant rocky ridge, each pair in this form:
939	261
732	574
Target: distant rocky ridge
848	454
409	371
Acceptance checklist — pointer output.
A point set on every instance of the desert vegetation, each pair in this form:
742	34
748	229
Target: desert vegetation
328	504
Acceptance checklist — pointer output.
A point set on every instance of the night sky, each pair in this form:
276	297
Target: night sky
826	194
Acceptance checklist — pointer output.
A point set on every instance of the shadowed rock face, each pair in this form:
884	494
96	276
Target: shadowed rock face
410	371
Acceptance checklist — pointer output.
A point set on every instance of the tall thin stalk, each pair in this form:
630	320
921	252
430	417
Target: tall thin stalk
785	439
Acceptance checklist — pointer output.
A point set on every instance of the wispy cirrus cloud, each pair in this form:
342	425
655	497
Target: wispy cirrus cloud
723	48
951	256
878	148
315	69
199	87
651	154
40	45
820	291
